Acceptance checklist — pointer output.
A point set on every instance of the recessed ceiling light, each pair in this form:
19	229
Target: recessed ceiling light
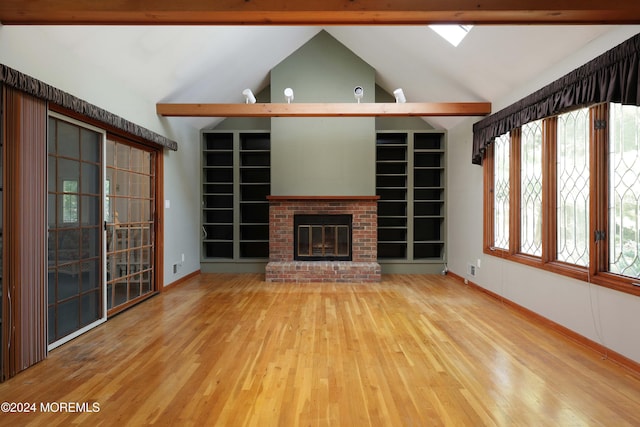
452	33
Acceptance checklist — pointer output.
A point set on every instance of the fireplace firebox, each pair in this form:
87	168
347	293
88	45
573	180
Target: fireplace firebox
322	237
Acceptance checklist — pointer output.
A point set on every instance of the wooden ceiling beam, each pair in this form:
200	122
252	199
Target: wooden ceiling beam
325	110
317	12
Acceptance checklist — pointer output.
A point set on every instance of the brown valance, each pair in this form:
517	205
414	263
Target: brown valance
613	76
41	90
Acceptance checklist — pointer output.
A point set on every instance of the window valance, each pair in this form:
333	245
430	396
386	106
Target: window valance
613	76
41	90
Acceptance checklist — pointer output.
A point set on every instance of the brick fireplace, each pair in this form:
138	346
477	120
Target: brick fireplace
363	266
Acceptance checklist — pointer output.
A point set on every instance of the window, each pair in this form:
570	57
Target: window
107	201
501	189
453	33
563	194
130	208
624	191
572	168
70	201
531	189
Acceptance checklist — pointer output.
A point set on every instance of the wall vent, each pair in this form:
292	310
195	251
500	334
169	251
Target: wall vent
471	270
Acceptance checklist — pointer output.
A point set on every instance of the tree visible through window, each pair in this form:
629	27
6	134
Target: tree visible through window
531	189
573	187
501	190
107	200
70	201
624	191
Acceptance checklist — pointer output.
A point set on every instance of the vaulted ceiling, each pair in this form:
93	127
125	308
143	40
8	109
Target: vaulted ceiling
213	64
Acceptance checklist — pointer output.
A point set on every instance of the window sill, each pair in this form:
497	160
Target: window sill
617	283
608	280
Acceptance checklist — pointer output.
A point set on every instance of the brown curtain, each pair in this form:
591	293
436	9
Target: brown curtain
614	76
24	335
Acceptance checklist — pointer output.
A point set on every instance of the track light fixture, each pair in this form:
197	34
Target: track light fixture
399	94
358	92
249	98
288	95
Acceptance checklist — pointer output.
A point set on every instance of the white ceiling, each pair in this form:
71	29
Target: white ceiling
214	64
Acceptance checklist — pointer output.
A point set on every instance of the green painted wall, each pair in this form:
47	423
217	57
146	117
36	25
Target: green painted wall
323	156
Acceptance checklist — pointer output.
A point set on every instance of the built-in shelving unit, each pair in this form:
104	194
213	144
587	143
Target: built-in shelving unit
410	180
217	195
236	178
410	183
391	186
428	196
255	186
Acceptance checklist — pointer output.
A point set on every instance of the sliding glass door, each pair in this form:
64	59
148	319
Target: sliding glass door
129	217
75	250
101	221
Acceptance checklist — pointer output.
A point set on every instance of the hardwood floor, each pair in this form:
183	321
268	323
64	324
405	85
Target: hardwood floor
233	350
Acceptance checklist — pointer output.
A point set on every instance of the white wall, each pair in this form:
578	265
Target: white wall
24	49
182	190
600	314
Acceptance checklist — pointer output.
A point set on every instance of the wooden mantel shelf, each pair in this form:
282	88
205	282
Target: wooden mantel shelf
338	198
373	109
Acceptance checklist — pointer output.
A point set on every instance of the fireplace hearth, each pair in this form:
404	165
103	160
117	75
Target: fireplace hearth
346	239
